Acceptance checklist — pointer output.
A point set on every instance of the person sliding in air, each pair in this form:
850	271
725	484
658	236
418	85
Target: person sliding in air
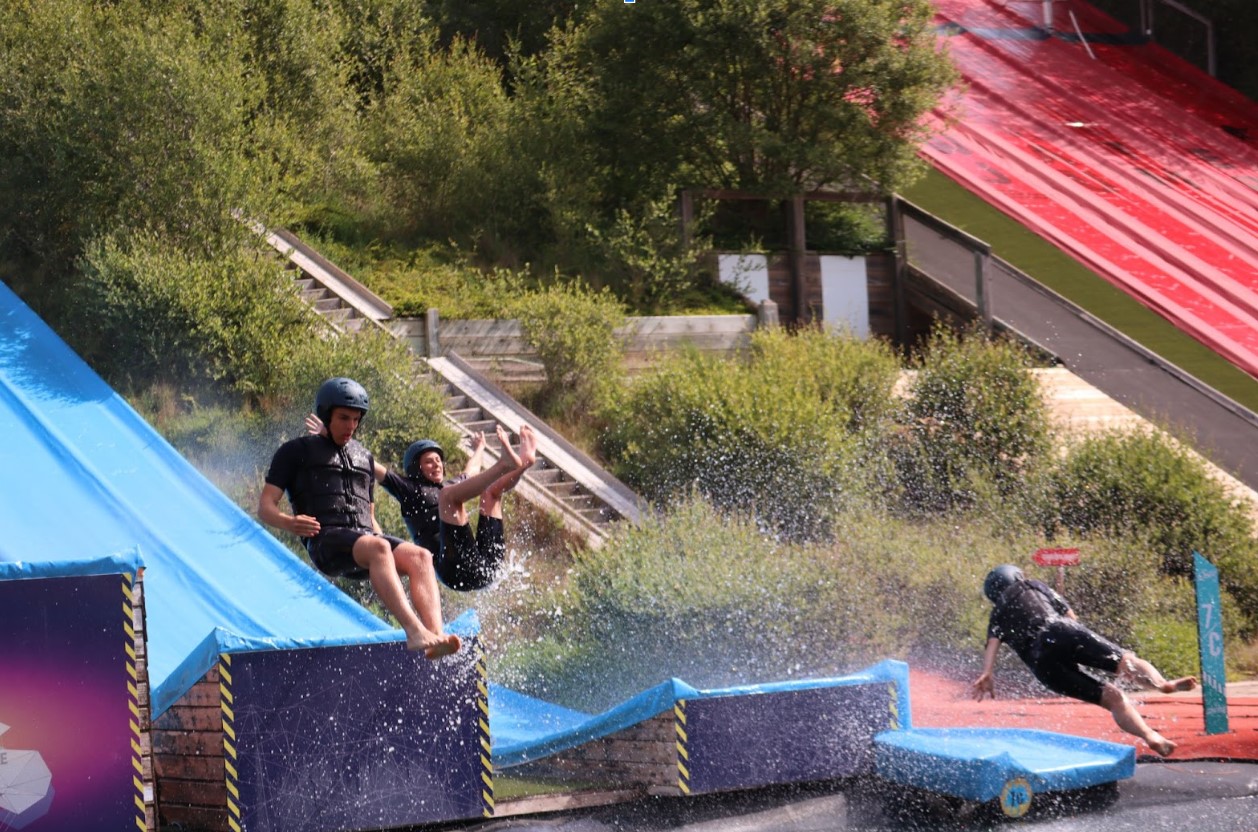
434	509
330	485
1046	634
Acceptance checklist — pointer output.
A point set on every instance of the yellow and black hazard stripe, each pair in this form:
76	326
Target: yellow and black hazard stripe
227	706
133	698
893	692
482	731
683	752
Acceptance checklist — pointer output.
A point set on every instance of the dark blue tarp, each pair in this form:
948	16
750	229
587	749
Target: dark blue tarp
976	763
526	729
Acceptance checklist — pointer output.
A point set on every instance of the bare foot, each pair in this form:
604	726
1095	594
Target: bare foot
507	451
448	645
528	446
1179	685
423	640
1161	745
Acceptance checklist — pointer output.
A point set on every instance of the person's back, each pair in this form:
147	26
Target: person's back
1021	612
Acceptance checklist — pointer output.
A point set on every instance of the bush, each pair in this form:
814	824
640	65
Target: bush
693	594
786	433
975	415
1144	483
573	331
161	314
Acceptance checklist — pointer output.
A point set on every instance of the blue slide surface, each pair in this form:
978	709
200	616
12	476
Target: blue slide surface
88	479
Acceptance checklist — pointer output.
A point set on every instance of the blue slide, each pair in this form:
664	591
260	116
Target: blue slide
86	477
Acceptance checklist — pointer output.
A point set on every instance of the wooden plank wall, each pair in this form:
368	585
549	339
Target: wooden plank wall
142	684
645	337
188	759
641	757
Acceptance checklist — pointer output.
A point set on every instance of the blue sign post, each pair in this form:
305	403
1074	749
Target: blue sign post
1210	640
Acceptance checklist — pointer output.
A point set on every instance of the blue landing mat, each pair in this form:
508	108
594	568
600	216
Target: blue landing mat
979	763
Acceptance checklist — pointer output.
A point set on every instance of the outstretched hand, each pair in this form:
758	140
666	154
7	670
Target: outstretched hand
315	426
984	687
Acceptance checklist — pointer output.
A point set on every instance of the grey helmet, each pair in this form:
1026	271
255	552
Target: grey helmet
1000	579
415	451
339	392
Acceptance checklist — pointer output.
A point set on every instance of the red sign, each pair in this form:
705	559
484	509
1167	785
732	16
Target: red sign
1057	557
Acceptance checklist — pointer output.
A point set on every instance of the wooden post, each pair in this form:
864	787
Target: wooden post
799	285
432	346
686	215
767	314
982	297
899	253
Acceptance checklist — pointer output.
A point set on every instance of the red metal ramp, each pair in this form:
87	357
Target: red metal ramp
1162	202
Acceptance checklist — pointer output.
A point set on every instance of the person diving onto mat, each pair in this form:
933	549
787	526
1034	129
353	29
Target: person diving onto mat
1046	634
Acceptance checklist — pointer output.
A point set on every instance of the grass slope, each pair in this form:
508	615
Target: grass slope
1068	277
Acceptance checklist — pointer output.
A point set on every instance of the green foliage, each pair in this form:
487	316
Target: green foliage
975	416
158	314
785	432
768	96
501	27
645	260
1146	484
111	118
443	135
573	331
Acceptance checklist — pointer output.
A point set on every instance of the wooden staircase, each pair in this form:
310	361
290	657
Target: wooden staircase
564	480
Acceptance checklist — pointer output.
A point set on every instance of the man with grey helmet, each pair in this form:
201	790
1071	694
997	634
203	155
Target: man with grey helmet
329	479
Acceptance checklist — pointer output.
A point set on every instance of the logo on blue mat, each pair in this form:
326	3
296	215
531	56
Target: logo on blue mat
1015	797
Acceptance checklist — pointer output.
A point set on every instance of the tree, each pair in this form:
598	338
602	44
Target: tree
776	96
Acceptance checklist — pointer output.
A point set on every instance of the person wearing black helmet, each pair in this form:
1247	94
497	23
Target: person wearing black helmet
329	479
434	511
1046	634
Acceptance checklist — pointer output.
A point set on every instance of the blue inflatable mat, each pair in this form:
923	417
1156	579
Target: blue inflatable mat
1011	764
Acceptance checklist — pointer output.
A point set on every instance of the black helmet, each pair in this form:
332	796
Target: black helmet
1000	579
339	392
418	449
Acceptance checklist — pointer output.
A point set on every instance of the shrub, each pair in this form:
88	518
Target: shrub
785	433
694	594
573	331
974	414
1145	483
159	313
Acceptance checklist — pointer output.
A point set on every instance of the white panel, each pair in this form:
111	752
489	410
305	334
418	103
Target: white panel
748	272
845	294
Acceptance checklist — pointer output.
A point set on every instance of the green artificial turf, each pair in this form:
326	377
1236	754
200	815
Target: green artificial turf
1063	274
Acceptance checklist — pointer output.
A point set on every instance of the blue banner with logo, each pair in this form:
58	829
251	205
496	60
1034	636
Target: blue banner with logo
1210	639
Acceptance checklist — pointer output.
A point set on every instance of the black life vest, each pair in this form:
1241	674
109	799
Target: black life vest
334	484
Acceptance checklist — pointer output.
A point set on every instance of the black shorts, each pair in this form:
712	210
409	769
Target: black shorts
1062	647
471	561
332	551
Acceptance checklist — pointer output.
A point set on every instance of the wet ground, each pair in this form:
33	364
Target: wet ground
1214	796
1211	784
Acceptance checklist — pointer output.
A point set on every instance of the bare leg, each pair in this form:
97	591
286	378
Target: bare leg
415	562
1129	719
1145	675
374	554
453	496
491	500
